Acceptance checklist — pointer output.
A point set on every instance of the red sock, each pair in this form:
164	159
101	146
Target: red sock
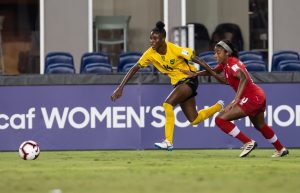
269	134
231	129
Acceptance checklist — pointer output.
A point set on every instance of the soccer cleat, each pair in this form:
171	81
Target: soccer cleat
247	148
165	145
281	153
221	102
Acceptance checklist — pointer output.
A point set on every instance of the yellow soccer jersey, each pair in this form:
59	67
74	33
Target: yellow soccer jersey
176	58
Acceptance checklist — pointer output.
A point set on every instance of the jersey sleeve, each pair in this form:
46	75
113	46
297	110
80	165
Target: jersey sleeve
145	59
186	53
235	68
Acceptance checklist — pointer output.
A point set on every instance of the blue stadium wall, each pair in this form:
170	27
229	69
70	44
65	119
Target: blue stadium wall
81	116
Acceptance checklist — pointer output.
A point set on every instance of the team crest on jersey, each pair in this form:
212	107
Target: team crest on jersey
235	67
185	52
172	61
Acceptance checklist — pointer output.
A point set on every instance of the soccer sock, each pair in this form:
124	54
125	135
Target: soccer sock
206	113
170	121
232	129
269	134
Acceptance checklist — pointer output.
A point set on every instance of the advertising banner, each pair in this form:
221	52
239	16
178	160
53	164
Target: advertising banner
72	117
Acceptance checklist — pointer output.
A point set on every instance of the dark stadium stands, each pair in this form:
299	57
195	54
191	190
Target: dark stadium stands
250	55
95	63
255	65
127	58
289	65
281	56
59	63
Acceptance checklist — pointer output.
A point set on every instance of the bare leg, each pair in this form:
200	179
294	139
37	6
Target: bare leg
179	94
189	109
232	113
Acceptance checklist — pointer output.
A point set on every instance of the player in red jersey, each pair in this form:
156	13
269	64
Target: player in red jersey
249	100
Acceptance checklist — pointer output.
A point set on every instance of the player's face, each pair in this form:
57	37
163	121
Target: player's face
221	55
156	41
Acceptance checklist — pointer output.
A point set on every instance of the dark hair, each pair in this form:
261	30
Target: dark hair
234	53
160	28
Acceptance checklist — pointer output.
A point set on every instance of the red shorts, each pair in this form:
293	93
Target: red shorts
253	103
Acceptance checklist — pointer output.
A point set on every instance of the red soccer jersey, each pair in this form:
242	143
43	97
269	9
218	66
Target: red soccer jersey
233	66
252	99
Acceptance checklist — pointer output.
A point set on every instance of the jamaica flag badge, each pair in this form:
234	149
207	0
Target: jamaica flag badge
172	61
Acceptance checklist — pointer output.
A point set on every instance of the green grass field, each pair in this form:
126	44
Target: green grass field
151	171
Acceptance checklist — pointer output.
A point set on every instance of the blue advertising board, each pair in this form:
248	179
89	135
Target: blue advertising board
82	117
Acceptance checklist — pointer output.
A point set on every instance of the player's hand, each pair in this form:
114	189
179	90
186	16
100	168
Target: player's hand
116	94
189	73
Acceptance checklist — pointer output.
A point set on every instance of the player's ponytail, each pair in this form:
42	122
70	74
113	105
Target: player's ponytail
160	28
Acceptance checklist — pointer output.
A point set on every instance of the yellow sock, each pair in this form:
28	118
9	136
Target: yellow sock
206	113
170	121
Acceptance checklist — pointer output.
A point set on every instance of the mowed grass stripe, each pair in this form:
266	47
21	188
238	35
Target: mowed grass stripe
151	171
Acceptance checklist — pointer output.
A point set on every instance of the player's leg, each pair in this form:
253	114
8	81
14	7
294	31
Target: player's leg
260	124
180	93
189	109
208	112
223	121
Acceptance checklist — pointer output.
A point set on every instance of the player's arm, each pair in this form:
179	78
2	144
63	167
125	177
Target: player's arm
118	92
206	73
208	70
243	81
199	73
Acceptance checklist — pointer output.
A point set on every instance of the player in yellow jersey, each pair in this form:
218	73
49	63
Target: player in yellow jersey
170	59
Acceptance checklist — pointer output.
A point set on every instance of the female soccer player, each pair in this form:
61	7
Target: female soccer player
169	59
249	100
